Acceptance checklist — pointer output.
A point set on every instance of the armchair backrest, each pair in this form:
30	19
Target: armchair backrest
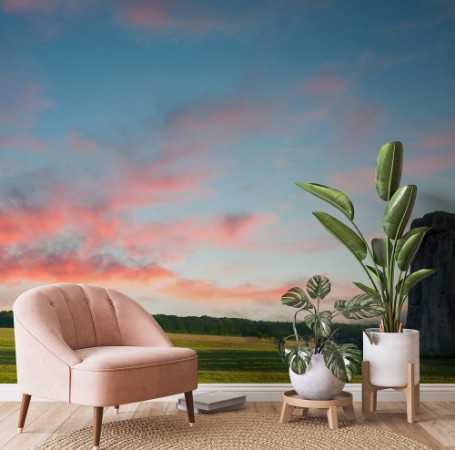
85	316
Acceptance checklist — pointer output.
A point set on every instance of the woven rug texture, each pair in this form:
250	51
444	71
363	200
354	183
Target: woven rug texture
232	431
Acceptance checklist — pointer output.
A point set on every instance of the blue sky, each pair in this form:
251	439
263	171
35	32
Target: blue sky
153	146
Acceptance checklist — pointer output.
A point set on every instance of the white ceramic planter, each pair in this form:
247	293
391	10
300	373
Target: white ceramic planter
389	357
317	383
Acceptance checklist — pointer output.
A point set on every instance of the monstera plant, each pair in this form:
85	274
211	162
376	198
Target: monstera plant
390	256
343	360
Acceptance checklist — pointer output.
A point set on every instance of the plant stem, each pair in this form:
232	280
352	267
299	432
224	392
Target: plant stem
294	325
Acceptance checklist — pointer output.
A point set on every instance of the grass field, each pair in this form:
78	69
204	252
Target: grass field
232	359
7	356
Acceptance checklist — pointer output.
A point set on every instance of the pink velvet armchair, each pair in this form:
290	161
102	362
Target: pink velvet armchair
88	345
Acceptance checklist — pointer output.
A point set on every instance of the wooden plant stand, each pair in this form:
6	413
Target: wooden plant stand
370	392
292	400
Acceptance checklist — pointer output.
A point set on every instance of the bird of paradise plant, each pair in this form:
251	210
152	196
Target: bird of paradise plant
390	256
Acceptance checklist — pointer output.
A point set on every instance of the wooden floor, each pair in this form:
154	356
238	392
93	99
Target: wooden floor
435	423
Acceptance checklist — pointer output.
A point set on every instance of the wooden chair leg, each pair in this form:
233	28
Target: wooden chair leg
23	414
97	421
190	407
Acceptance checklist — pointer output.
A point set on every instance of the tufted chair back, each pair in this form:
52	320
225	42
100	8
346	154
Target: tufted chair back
85	316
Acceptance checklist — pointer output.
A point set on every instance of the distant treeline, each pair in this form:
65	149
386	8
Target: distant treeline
6	319
225	326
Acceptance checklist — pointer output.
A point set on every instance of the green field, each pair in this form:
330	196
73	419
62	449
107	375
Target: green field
232	359
7	356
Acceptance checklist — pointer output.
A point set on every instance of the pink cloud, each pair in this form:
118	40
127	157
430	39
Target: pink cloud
35	247
428	165
443	138
191	20
28	6
206	292
144	185
150	14
172	241
218	120
71	222
356	182
35	265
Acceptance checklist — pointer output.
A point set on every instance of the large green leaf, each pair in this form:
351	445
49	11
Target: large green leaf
408	245
296	298
320	323
330	195
318	287
399	210
343	360
299	358
389	165
360	307
343	233
377	275
412	279
368	290
380	248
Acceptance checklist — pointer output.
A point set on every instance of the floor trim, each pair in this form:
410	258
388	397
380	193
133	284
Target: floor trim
274	392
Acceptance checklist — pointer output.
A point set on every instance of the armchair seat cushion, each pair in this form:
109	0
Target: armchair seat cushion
112	358
113	375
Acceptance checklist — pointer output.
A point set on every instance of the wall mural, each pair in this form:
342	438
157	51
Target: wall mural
153	146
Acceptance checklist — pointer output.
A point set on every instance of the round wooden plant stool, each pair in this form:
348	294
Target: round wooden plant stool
292	400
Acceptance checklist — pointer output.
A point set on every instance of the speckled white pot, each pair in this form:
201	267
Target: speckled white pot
317	383
389	357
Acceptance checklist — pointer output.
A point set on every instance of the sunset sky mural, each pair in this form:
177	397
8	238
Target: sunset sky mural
153	146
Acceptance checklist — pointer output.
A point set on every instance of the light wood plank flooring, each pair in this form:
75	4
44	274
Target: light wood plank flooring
435	423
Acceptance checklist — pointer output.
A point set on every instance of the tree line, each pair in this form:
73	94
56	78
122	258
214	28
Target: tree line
226	326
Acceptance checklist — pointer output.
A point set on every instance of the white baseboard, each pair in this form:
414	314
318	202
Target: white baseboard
274	392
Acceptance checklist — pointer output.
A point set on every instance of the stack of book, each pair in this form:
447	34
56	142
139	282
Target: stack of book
212	402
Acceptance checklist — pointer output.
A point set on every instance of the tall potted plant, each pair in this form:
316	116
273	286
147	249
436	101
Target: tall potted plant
319	367
386	262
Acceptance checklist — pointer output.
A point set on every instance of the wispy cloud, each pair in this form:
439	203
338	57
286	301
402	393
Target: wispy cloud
29	6
193	20
207	292
356	182
217	120
442	138
327	81
429	165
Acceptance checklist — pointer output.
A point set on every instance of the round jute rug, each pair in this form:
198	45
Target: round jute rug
232	431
